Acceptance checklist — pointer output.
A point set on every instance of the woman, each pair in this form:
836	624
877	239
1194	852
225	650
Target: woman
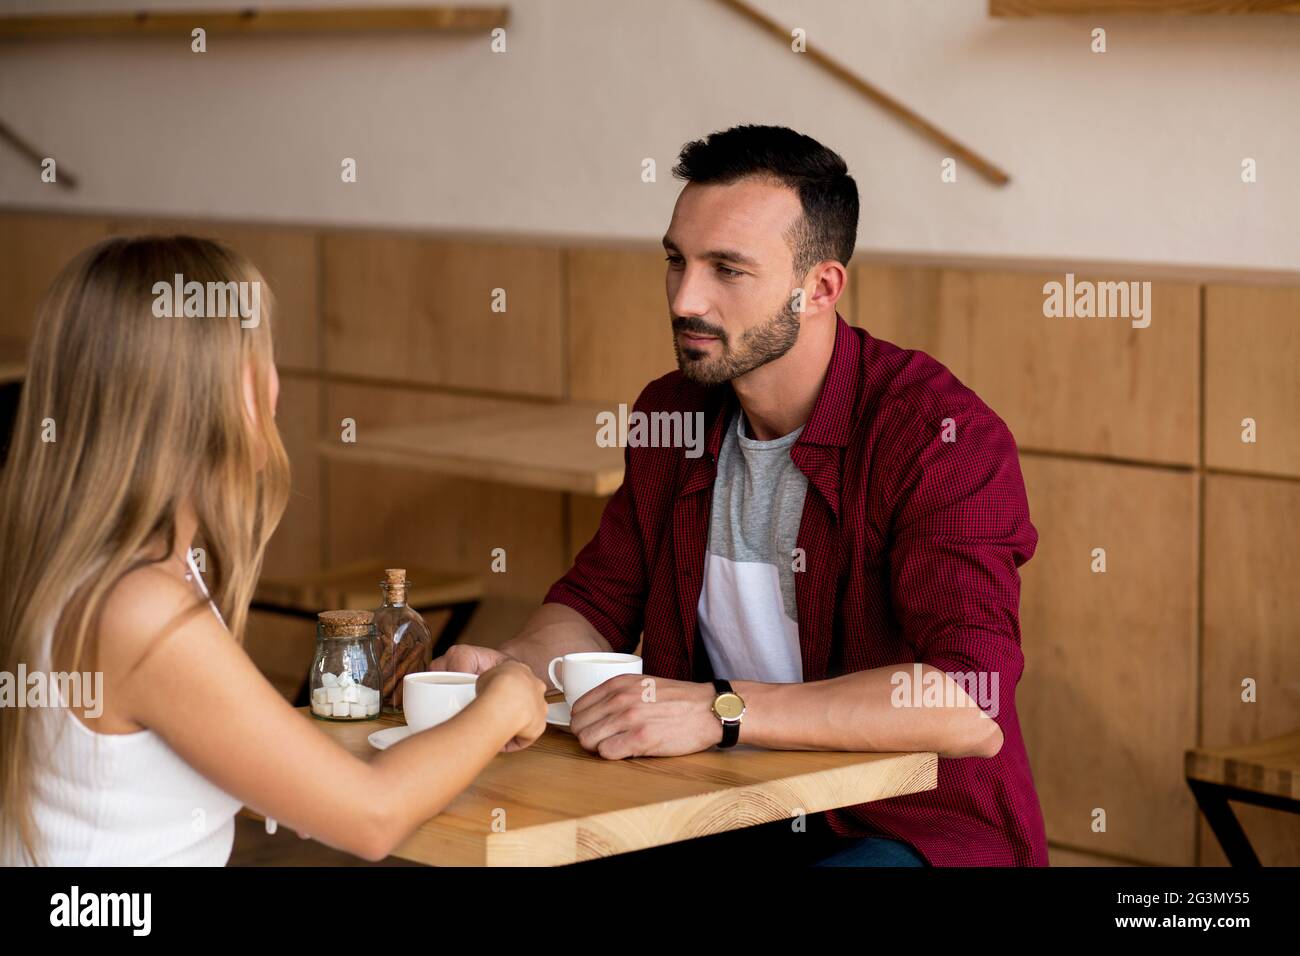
137	438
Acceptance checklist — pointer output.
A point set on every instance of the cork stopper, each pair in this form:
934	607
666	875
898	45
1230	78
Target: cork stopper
394	585
345	623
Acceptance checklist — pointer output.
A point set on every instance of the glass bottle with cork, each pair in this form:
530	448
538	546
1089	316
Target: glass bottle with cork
405	644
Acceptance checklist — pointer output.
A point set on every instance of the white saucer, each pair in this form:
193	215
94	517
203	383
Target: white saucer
383	739
557	713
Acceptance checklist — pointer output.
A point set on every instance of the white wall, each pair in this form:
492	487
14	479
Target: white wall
1134	154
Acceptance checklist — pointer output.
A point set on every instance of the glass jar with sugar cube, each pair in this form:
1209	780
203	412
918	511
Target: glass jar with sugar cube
345	674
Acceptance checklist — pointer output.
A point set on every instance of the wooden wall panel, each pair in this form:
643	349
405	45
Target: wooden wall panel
419	311
296	546
282	647
288	259
1087	386
1108	700
33	248
1063	856
1252	629
406	516
914	307
1252	370
619	328
584	520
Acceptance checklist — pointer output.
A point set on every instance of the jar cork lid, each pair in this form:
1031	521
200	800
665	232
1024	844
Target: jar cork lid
345	623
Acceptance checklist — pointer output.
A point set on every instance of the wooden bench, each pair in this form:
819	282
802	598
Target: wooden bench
1266	774
357	586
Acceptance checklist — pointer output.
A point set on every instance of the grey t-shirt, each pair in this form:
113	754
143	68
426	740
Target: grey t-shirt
747	615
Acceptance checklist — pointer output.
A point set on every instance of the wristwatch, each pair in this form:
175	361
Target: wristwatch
729	708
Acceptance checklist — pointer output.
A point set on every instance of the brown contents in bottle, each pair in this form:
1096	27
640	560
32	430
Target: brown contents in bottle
406	645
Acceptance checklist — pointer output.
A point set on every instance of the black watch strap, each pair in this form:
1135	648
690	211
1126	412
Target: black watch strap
730	728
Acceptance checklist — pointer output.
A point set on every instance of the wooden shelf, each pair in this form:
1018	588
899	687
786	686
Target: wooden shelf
427	19
1078	8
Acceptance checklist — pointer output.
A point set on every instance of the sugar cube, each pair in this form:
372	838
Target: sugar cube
372	708
345	680
356	710
322	710
320	695
329	680
333	694
341	708
352	694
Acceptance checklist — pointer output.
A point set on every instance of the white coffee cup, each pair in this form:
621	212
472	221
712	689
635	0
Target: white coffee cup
431	697
590	669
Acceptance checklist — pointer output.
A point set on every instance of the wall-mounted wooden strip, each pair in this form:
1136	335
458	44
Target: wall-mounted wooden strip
616	344
1252	370
1252	606
253	22
420	311
875	94
1108	699
34	155
1092	386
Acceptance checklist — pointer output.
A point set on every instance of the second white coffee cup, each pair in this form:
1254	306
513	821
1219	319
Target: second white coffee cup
431	697
589	669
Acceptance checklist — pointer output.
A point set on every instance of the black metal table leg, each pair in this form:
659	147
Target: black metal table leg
1213	800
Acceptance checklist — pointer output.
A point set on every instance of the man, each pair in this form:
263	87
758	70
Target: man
843	557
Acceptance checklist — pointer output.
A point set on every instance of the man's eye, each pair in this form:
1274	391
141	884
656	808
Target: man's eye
673	260
729	273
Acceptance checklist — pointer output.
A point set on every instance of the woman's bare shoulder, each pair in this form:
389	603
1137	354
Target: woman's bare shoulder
141	607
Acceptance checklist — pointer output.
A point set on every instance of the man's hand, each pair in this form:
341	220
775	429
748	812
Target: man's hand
468	659
616	721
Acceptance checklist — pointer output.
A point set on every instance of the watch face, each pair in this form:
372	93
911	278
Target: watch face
728	706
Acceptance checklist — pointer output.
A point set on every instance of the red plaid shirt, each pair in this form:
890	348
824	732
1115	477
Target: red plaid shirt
911	545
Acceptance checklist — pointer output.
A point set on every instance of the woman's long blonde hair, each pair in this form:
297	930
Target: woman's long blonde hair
123	415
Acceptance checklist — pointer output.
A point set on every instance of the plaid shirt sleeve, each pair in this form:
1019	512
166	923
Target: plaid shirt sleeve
961	530
608	582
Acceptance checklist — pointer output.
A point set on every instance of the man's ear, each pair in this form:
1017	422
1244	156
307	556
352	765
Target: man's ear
829	280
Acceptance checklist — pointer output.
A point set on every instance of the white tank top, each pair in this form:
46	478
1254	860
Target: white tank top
122	799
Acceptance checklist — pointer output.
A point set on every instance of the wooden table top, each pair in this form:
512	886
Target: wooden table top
1267	766
548	446
560	804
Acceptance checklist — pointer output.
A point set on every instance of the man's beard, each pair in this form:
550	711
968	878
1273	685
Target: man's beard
758	346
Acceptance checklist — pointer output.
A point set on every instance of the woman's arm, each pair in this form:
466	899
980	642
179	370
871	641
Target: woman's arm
199	690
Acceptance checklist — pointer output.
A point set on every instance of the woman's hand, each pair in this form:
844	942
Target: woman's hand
512	686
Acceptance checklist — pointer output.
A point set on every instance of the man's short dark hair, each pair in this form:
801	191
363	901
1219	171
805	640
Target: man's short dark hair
828	194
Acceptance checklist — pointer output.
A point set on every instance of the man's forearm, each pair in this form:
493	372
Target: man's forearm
856	712
552	631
